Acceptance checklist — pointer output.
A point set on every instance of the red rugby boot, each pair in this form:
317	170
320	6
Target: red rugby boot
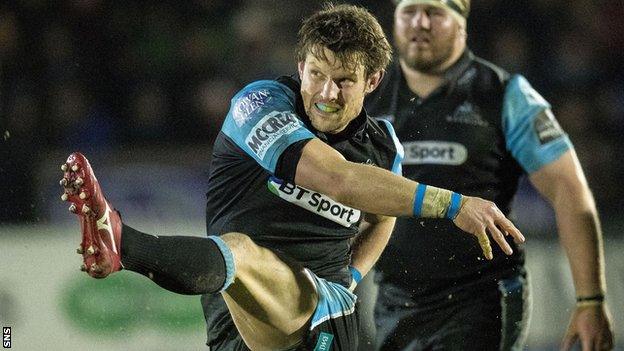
100	223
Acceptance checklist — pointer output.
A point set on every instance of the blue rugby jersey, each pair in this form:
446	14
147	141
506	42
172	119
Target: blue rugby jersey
477	134
251	188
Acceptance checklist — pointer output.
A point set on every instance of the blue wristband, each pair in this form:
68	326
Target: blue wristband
357	276
453	209
419	197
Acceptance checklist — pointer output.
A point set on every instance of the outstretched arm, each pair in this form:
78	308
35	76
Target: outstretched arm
563	183
375	190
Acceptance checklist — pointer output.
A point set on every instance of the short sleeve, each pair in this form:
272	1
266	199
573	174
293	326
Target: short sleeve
398	158
286	168
533	135
263	123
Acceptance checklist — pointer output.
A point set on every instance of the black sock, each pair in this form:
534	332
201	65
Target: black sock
182	264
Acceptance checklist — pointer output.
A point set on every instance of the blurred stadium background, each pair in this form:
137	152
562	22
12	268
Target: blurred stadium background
141	87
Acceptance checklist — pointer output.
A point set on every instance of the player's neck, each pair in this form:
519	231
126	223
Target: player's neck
423	83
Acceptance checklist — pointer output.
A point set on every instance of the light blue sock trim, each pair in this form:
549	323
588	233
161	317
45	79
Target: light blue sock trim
418	199
230	270
453	209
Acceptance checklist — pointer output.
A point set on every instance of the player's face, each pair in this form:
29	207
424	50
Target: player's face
427	37
332	95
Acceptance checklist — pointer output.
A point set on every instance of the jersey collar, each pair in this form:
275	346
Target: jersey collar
456	70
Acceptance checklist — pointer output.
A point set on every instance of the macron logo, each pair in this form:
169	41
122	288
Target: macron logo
269	129
468	113
434	152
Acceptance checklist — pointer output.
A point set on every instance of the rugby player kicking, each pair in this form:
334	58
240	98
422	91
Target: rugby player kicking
297	171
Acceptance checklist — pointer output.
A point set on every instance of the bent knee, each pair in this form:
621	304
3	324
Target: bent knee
239	242
243	248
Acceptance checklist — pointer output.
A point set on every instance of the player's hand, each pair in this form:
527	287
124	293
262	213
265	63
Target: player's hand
592	327
478	217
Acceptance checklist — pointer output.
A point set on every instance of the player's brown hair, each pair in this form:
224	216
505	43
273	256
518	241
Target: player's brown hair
352	33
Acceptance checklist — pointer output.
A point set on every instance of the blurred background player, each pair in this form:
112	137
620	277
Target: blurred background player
469	126
284	144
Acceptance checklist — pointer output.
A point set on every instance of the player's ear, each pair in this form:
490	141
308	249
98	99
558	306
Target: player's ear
300	67
373	81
